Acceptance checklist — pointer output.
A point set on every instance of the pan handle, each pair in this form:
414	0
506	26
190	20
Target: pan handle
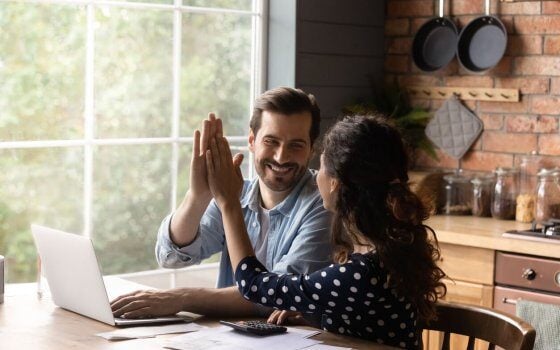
487	7
441	8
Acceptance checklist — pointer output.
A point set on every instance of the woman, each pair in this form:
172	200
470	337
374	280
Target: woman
385	277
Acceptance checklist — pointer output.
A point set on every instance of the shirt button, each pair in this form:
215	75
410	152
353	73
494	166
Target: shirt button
254	224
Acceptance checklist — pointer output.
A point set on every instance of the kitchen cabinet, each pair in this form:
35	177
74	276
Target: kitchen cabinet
468	249
470	272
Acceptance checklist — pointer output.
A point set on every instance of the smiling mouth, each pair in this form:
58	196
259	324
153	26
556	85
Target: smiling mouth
280	170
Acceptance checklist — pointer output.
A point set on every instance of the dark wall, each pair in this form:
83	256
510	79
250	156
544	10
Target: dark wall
338	45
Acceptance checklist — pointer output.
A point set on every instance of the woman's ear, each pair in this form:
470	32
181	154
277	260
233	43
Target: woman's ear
335	184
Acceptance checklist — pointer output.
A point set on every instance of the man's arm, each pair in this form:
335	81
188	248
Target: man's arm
185	221
221	302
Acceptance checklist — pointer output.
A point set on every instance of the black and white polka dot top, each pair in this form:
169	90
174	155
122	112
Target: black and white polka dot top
352	298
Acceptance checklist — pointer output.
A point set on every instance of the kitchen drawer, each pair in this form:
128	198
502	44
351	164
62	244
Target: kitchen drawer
503	298
528	272
468	264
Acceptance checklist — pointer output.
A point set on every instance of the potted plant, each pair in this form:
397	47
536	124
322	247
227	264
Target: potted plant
392	102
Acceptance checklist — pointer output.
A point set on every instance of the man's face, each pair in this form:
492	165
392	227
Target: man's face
282	149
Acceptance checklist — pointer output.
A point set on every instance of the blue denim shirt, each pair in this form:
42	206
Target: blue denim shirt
298	238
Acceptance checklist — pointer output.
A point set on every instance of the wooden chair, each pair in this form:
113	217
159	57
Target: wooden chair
476	322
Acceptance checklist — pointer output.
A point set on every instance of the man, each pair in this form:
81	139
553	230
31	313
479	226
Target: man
282	208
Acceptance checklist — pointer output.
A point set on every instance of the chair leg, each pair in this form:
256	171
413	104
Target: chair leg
445	345
470	345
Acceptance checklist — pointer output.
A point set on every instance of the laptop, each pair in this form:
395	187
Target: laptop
76	284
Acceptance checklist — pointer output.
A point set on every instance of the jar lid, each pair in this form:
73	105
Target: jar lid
548	172
483	179
456	178
506	171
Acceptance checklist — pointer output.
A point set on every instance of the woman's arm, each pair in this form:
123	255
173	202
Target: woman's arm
226	182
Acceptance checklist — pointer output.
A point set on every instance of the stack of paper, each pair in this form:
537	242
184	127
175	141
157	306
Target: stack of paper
149	332
225	338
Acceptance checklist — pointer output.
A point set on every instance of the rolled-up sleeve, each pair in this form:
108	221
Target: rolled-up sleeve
208	241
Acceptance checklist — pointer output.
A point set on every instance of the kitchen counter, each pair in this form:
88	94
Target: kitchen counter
487	233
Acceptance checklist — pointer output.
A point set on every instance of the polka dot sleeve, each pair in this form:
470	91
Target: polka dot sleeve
351	298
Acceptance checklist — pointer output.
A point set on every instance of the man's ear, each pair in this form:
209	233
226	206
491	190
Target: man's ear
252	138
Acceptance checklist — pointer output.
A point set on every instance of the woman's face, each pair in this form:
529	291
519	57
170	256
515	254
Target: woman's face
327	187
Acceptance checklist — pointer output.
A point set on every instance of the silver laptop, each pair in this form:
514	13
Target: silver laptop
76	284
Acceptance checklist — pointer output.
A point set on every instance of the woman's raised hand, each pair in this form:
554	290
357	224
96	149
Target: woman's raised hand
224	174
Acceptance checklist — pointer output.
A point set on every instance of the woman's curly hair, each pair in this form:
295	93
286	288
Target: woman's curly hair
374	202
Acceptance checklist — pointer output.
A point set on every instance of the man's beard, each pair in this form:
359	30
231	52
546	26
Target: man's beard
279	178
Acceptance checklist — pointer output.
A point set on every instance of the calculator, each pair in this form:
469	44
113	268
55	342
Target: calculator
256	327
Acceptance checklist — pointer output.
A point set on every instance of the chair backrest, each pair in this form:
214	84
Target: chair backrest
476	322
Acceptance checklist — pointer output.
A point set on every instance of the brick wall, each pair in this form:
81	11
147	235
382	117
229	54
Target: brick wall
531	64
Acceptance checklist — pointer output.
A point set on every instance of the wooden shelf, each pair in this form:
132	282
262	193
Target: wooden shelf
464	93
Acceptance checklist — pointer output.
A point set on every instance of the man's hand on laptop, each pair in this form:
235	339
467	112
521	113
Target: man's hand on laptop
147	303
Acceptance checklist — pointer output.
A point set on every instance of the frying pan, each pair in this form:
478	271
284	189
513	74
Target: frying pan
482	42
435	43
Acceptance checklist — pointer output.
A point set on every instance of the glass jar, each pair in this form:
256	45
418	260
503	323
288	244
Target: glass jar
458	195
547	204
528	169
505	193
482	187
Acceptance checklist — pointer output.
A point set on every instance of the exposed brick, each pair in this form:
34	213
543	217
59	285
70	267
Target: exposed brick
555	86
396	63
467	7
537	65
418	79
545	104
462	21
477	145
519	8
444	160
537	24
421	103
399	46
531	123
521	45
486	161
549	161
549	144
504	67
552	45
504	107
492	121
526	85
469	81
397	27
511	143
551	8
417	8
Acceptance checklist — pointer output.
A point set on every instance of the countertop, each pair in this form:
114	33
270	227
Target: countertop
487	233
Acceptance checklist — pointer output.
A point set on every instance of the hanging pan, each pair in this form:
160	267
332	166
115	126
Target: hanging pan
435	43
482	43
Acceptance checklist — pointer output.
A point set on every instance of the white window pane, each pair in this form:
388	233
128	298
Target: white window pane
231	4
216	71
131	195
133	72
42	55
42	186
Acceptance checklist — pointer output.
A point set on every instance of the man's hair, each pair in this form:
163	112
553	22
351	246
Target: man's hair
287	101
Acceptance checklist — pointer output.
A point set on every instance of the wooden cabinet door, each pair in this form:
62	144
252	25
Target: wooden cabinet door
465	293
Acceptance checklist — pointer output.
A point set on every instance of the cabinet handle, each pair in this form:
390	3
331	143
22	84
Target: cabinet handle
509	301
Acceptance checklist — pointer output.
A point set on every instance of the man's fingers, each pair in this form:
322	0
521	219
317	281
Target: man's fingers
209	164
213	127
219	128
205	136
144	312
196	145
135	305
215	152
120	297
238	159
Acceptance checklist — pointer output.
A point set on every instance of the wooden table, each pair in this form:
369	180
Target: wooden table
27	322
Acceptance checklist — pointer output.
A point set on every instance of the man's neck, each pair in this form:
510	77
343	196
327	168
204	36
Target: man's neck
269	198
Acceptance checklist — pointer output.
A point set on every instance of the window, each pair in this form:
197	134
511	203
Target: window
98	104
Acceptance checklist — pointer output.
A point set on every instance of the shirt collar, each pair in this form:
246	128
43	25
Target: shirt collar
252	197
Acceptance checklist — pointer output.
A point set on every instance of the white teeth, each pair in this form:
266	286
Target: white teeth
279	169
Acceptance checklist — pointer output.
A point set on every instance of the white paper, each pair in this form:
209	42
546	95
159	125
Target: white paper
304	333
224	337
149	332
